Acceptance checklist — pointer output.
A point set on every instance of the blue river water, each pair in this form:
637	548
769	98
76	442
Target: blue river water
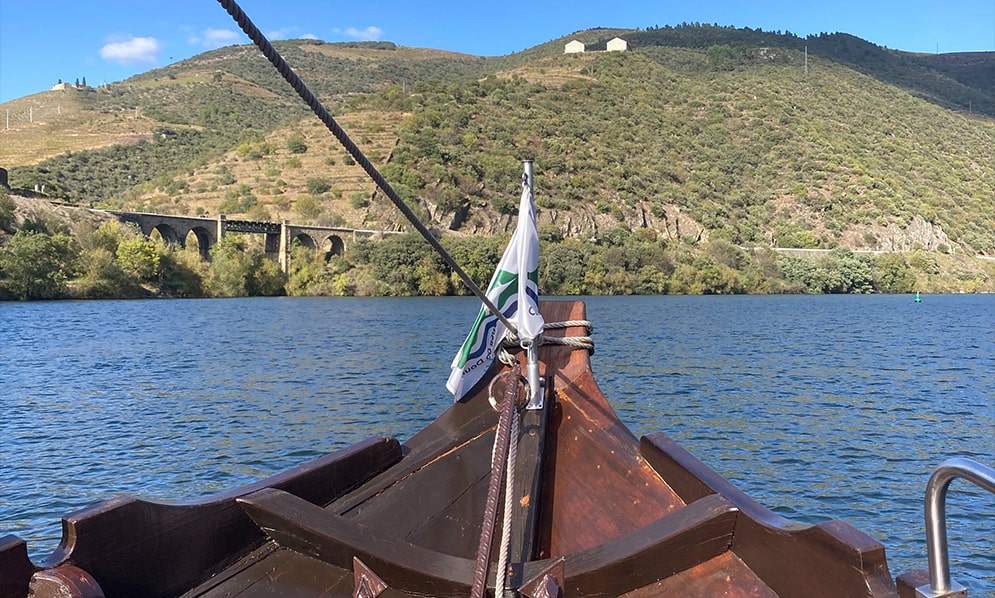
819	407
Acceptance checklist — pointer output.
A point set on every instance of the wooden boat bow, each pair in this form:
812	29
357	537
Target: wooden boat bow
598	513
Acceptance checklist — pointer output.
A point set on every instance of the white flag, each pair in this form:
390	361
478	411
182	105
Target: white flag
514	290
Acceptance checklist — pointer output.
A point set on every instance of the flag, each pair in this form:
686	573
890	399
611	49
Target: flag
514	290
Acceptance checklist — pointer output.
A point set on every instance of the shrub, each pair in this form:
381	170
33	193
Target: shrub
296	144
317	186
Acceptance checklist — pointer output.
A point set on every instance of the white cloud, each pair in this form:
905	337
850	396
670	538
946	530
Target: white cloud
289	33
370	34
132	50
215	38
281	33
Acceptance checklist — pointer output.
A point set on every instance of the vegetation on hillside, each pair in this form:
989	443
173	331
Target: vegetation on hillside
752	149
43	258
658	169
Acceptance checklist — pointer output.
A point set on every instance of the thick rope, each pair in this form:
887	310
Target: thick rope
498	462
511	341
319	110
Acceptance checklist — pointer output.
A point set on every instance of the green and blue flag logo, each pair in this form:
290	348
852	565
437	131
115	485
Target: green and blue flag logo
515	295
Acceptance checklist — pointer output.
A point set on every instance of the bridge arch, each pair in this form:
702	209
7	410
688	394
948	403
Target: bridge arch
205	240
168	234
305	240
333	245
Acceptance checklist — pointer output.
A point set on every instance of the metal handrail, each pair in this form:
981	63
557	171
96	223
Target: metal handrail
936	520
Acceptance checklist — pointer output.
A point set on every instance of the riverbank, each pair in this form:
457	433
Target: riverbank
55	252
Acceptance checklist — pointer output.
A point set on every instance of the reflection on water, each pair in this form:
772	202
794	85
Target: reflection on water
818	407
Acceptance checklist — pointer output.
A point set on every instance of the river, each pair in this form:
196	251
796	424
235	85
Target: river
818	406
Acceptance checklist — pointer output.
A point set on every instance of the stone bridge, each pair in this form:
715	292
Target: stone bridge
280	236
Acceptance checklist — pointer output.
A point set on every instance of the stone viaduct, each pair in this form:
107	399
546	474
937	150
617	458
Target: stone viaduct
280	236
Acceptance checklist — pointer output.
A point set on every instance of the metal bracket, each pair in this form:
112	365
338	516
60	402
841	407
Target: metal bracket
953	590
537	400
547	584
366	583
537	384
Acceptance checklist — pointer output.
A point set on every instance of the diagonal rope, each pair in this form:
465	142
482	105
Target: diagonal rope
319	110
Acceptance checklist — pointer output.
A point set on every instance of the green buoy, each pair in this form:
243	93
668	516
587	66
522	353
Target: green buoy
918	299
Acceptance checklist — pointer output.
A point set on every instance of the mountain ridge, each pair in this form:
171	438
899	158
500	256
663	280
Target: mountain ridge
202	103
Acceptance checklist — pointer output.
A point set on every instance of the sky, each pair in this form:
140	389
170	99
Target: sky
43	41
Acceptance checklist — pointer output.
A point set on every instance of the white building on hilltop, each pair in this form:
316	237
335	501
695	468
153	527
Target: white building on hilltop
574	47
618	45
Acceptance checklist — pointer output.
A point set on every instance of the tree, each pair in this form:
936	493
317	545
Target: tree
307	271
894	275
237	271
139	257
229	268
182	273
102	276
562	268
405	265
7	207
36	265
308	207
265	278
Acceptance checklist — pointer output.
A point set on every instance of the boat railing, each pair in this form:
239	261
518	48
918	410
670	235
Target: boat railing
940	585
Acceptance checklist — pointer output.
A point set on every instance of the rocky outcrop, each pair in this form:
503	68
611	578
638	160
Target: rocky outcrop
917	234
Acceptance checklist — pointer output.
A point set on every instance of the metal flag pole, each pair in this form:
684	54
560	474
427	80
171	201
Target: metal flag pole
531	347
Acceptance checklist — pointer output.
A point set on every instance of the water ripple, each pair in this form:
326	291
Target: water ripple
818	407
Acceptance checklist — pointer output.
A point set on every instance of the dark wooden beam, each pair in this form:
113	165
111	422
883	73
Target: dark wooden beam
16	567
306	528
526	510
140	548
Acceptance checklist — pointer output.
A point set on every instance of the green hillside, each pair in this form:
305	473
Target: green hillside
700	135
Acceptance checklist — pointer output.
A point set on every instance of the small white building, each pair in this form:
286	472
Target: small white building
618	45
573	47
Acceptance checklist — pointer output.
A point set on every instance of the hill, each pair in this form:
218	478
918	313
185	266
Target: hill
701	132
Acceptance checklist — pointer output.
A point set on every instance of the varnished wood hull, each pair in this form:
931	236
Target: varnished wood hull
613	516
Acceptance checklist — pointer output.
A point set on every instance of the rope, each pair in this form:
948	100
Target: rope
498	463
511	341
319	110
509	503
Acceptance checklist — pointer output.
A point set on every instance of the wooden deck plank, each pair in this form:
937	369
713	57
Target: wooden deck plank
829	559
593	457
297	524
438	506
282	573
725	575
16	567
676	542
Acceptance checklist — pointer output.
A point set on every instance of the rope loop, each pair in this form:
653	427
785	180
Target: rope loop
511	340
521	399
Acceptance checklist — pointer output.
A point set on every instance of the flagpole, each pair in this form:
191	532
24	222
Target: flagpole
531	348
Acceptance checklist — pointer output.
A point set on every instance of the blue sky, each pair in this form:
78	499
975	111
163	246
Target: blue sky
42	41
